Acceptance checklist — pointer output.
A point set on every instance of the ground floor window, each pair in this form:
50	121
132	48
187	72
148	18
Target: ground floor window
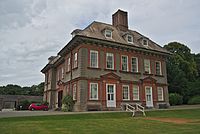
74	92
160	94
93	91
136	92
125	92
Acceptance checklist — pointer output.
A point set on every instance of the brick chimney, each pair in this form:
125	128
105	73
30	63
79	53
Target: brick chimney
120	20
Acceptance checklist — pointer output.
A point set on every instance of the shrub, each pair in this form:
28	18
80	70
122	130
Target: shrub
23	105
175	99
68	103
194	100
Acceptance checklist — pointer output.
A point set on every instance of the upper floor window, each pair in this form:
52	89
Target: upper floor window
75	60
158	68
134	64
94	59
74	92
147	66
68	64
136	92
93	91
129	38
145	42
160	94
108	33
62	72
109	61
124	63
125	92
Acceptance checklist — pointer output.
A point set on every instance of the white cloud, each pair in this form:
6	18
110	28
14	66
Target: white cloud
33	30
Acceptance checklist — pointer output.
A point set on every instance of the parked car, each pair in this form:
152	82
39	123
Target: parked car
38	106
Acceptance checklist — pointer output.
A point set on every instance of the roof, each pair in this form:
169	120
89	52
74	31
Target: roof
95	30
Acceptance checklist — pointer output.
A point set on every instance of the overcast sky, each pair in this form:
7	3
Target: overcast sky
33	30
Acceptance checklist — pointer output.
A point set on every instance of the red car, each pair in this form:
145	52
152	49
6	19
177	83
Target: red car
38	106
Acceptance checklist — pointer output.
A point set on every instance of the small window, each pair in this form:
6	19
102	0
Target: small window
75	60
145	42
147	66
109	61
129	38
94	59
134	64
108	33
136	92
124	63
125	92
74	92
93	91
160	94
158	68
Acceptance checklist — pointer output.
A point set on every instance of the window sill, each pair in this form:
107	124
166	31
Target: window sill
93	99
148	74
159	75
75	68
137	73
110	70
94	68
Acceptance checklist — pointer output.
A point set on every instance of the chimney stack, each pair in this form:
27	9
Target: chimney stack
120	20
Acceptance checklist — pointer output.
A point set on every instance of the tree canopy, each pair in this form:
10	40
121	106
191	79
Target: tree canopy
10	89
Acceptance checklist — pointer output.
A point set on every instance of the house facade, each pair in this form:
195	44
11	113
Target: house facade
105	66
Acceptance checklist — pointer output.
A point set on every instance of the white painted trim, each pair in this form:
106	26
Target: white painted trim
162	93
151	92
159	65
138	95
108	104
132	64
126	62
112	60
93	51
123	91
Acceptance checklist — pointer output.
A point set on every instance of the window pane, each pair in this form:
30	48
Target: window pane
125	92
93	91
74	92
135	93
158	68
108	33
109	61
134	63
124	63
75	60
94	59
147	66
160	94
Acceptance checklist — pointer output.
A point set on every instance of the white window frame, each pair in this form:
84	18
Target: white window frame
68	64
75	59
110	54
149	66
131	37
132	64
91	91
124	63
143	42
62	73
108	32
74	91
97	58
160	70
160	92
123	97
136	87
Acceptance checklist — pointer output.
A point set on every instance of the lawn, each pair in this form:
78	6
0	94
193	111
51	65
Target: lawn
104	123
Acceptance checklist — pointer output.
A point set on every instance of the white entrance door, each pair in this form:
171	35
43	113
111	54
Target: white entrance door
110	95
149	96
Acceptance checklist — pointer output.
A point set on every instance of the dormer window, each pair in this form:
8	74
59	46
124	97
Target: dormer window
129	38
108	33
145	42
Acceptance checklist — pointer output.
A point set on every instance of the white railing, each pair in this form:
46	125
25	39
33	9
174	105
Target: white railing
135	108
130	108
140	108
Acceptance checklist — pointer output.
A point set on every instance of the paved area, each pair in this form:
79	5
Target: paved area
11	113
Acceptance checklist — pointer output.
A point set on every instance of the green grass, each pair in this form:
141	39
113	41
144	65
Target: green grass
102	123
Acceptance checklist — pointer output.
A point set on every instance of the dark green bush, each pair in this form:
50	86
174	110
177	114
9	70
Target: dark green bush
194	100
68	103
175	99
23	105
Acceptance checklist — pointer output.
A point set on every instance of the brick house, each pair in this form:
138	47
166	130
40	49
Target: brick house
106	66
